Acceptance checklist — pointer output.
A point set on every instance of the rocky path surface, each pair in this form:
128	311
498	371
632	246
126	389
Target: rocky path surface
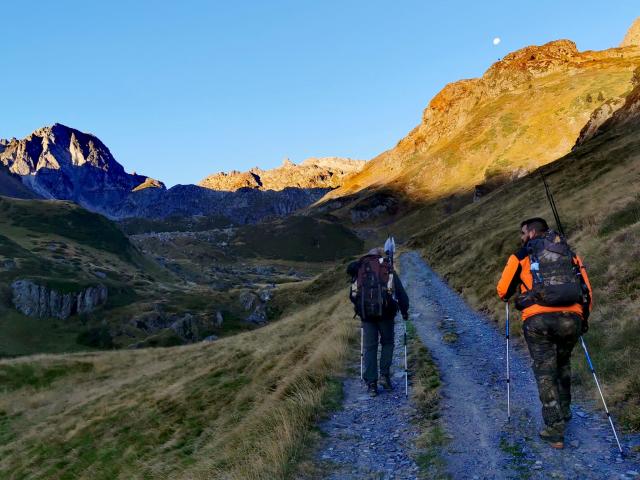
470	354
370	438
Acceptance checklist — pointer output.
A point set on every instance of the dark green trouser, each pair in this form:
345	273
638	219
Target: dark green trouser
382	329
551	338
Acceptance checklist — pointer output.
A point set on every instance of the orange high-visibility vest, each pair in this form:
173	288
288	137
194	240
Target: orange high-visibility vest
517	274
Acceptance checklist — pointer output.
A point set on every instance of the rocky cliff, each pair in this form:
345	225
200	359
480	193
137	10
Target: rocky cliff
625	117
327	172
36	300
66	164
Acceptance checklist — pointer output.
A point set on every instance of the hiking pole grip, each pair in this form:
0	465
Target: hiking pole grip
508	369
593	371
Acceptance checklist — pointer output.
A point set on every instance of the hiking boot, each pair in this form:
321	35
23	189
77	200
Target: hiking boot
372	389
553	437
386	382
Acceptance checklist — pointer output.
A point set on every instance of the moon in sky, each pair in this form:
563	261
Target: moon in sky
496	40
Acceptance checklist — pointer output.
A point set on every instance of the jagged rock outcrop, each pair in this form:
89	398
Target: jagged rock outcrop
256	306
36	300
188	327
632	38
312	173
63	163
598	117
627	114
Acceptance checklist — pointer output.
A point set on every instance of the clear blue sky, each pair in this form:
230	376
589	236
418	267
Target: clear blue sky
179	90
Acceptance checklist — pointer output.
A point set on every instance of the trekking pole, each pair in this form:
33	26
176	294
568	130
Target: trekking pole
593	371
508	371
361	350
554	209
406	370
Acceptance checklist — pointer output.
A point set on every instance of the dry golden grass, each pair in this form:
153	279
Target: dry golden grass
237	408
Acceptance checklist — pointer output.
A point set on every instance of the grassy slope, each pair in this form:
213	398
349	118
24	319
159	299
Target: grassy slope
528	126
521	129
596	191
61	245
240	407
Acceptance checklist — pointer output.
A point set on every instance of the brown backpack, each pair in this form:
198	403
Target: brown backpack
373	288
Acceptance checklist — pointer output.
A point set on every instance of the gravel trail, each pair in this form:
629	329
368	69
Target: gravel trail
371	438
470	354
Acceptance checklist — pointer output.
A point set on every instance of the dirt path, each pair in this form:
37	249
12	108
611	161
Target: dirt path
370	438
470	354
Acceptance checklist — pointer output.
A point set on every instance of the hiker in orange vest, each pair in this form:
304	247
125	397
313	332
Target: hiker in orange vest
554	294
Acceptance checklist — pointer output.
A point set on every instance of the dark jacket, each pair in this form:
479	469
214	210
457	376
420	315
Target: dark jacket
402	299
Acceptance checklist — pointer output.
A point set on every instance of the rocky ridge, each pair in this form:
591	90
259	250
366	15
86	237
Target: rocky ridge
59	162
312	173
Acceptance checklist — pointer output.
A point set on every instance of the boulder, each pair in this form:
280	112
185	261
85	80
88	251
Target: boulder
256	305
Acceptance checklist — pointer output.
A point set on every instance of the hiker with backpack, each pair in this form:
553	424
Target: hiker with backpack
377	295
555	297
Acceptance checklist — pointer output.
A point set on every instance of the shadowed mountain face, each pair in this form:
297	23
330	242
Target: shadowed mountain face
62	163
246	205
11	185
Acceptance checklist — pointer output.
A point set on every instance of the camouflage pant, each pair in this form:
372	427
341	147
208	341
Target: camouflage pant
551	338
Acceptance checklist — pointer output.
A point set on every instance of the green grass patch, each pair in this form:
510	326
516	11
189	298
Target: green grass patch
133	226
426	397
70	221
22	335
297	238
21	375
628	215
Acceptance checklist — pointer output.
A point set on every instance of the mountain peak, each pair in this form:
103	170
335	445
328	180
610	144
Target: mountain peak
633	35
61	162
